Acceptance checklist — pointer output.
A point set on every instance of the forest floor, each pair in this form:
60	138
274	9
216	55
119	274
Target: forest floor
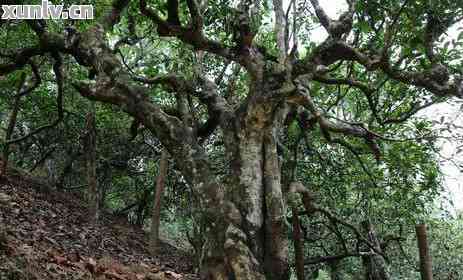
45	235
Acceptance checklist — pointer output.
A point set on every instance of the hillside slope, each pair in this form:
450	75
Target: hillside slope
44	235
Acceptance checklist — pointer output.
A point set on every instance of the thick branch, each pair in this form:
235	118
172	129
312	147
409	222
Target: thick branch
204	89
193	37
20	59
303	98
436	80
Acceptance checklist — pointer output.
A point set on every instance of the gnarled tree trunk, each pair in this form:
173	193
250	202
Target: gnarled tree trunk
245	211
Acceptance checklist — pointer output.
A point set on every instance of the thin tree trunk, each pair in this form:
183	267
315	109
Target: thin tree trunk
141	208
105	185
90	148
298	245
425	257
11	125
155	219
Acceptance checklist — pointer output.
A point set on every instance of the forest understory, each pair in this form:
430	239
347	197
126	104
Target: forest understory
45	234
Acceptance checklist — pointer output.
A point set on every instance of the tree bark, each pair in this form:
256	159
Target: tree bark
280	28
374	264
159	191
257	240
90	148
298	245
425	257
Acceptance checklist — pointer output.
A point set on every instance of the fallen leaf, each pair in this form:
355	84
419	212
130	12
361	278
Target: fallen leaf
74	256
60	260
4	198
174	275
91	265
114	275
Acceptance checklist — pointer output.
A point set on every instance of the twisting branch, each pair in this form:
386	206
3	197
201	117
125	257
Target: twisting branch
206	92
191	36
16	107
20	58
311	208
437	79
173	81
57	69
325	21
331	216
11	125
130	39
35	84
303	98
